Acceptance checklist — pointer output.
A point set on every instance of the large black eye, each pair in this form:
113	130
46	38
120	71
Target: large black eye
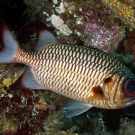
129	87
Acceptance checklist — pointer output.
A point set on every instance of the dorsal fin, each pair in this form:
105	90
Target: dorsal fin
44	35
26	81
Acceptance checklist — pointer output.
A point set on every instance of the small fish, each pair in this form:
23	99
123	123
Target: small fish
90	77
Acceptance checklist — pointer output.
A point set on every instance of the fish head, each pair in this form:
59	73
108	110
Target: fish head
118	91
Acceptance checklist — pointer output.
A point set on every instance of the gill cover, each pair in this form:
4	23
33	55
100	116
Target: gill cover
129	87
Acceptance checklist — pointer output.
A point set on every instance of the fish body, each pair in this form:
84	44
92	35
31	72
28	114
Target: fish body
76	72
88	75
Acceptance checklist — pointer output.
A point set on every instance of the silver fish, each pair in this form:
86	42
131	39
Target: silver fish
88	76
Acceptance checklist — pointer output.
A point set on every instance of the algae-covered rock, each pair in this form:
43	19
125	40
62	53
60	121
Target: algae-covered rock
56	132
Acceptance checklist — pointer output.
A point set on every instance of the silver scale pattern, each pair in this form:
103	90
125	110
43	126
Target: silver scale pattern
72	70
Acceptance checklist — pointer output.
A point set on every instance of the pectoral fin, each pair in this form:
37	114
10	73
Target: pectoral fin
75	108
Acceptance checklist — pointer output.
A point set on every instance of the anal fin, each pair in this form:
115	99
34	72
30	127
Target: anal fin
26	81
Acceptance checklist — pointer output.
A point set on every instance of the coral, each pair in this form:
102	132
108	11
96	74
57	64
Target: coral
9	73
59	24
126	127
7	82
99	126
34	7
78	21
129	43
102	37
103	31
53	121
56	132
30	108
58	121
125	9
60	10
8	125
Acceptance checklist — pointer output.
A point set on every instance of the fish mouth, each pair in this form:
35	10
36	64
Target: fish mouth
122	91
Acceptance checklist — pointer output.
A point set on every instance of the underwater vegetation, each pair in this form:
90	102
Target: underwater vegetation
89	23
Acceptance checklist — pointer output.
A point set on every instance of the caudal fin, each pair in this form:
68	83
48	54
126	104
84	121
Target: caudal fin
9	45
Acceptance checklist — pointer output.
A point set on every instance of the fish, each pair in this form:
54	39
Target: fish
87	76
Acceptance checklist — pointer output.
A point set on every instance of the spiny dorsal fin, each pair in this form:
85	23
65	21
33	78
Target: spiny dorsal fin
44	35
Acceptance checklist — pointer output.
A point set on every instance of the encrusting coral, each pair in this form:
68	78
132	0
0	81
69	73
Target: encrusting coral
125	9
126	127
129	43
79	21
56	132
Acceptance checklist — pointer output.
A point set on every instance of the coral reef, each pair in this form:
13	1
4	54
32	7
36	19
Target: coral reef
56	122
129	43
8	125
90	23
126	127
125	9
9	73
56	132
100	32
29	108
79	21
99	126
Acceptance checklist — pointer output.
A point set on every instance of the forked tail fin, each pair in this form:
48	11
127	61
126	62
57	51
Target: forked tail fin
9	46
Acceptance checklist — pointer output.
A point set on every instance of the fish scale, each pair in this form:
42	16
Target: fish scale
63	65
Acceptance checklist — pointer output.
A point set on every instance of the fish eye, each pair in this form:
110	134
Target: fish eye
129	87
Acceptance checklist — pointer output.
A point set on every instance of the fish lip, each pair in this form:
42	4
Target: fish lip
128	100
